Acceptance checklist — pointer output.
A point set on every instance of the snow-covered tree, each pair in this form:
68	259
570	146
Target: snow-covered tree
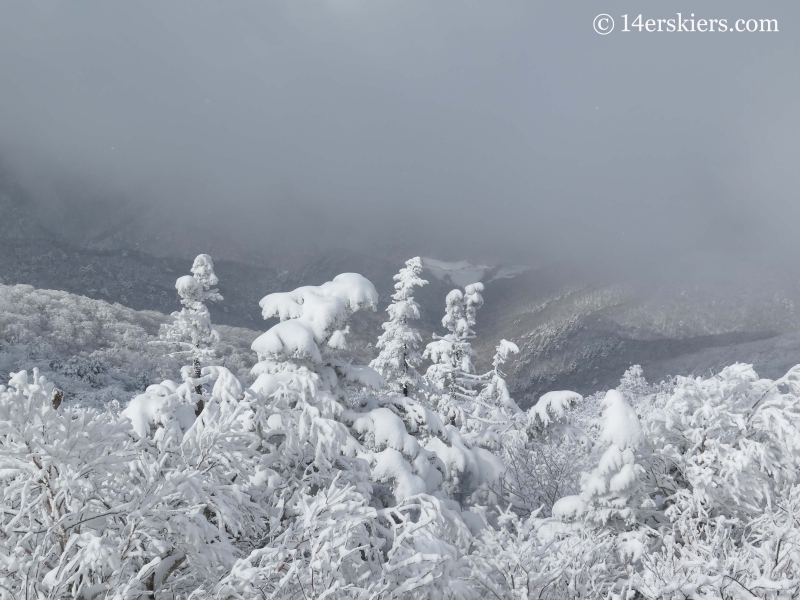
399	354
493	412
633	385
723	559
304	366
452	374
496	391
613	491
191	329
726	446
309	343
90	509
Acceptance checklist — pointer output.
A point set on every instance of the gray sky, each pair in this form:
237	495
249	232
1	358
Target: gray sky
469	128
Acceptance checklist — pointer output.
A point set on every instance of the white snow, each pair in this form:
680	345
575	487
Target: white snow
364	375
389	465
311	316
463	272
552	407
621	426
459	273
387	428
187	285
322	308
158	406
569	507
290	339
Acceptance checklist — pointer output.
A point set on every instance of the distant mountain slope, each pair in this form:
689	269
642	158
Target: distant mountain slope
580	338
577	327
581	331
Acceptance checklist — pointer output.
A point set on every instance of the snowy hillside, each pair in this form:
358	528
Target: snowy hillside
582	331
94	351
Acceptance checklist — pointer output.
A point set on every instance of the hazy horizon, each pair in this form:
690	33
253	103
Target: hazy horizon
464	130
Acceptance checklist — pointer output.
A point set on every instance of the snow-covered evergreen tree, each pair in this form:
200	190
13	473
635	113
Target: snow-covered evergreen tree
192	329
305	367
496	391
308	348
613	491
399	354
494	411
452	374
633	386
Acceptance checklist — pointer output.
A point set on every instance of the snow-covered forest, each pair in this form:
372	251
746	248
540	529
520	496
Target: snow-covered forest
164	459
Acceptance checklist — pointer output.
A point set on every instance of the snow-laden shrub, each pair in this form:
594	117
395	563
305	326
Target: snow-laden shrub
526	558
91	509
727	445
719	558
330	549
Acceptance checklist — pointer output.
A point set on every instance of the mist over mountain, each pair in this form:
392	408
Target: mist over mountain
507	133
579	326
